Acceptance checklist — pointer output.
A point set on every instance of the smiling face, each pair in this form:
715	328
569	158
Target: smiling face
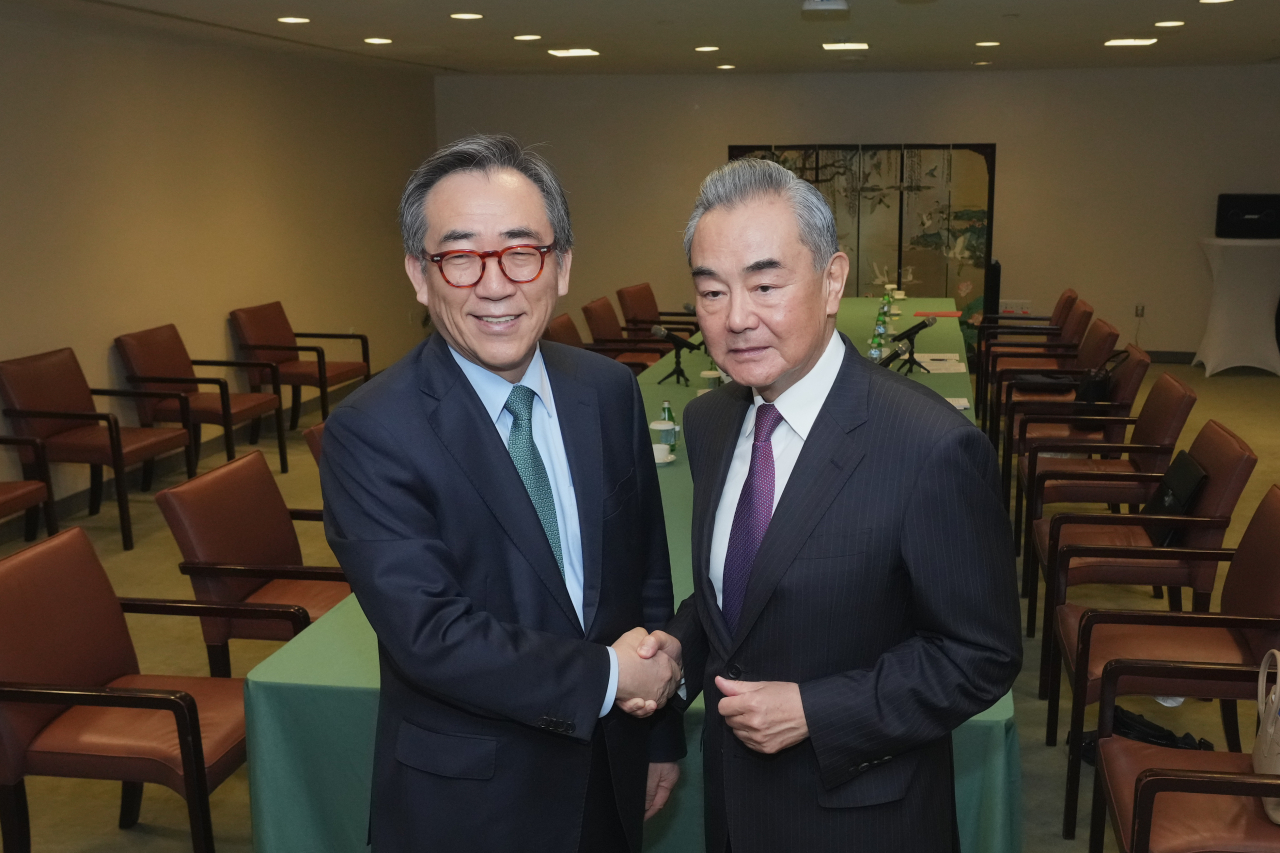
766	313
497	323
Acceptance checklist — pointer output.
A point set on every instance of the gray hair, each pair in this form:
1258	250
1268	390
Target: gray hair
481	153
740	181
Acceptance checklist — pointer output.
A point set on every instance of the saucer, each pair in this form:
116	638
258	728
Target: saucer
670	458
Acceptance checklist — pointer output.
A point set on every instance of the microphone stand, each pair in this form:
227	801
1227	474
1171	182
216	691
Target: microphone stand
911	362
678	371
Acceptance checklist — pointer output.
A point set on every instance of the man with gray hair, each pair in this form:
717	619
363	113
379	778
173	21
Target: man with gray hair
494	503
854	596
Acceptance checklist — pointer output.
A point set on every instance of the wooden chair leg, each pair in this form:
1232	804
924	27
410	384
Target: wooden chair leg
1098	815
295	411
255	426
219	659
95	489
122	502
1157	592
280	442
1018	509
1230	724
31	524
148	474
15	820
1053	693
324	401
1075	734
130	804
1033	590
1175	599
228	436
50	516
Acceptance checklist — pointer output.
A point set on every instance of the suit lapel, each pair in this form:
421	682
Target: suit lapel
828	458
459	422
722	438
578	411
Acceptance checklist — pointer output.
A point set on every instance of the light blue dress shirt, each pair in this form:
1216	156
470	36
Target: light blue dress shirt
493	391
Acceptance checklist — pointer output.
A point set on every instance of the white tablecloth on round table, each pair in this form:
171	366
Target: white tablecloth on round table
1242	314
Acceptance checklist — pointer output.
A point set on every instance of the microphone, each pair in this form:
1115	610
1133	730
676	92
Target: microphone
688	307
914	330
671	338
903	349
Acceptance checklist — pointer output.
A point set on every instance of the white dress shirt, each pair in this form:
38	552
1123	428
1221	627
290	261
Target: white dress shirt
799	406
493	391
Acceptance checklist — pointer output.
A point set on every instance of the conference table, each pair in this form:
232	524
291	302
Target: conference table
311	707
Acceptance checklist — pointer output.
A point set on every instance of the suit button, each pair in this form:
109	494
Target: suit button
864	767
735	671
570	728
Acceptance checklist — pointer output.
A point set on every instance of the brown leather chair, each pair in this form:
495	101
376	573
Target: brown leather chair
640	310
1083	640
995	327
1067	418
315	439
603	325
1080	548
238	544
157	360
47	397
27	496
1034	355
1096	347
562	330
1162	799
1090	480
73	704
265	334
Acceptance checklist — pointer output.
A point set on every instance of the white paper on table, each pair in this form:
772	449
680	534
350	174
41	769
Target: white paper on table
959	402
938	356
944	366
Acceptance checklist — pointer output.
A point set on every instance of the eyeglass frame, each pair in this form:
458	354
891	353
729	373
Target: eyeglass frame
439	257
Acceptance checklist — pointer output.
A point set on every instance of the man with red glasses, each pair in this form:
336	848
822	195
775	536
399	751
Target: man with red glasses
494	502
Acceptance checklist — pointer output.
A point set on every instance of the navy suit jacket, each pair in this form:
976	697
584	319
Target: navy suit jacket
491	688
885	587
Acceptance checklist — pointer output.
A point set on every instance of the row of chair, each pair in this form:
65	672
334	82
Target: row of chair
75	705
631	342
55	419
1057	449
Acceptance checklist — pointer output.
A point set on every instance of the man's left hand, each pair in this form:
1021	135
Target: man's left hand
662	779
767	716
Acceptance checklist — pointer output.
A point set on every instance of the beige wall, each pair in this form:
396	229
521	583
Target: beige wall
1105	179
151	177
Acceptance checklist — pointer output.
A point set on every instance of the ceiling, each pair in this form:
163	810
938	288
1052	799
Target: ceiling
756	36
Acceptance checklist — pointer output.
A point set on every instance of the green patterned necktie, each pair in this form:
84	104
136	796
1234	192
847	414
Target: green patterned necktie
529	464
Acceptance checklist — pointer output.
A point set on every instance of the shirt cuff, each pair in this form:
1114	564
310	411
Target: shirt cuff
612	692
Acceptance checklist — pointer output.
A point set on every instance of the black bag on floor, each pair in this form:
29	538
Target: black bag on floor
1137	727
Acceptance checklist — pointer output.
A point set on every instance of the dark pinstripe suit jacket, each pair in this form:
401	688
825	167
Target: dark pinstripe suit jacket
885	588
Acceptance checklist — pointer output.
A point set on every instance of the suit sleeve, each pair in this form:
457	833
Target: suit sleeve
381	526
666	735
958	551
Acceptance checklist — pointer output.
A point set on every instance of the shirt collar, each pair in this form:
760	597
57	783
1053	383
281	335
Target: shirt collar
493	390
799	405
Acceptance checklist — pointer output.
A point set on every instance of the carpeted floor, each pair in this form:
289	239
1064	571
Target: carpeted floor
76	815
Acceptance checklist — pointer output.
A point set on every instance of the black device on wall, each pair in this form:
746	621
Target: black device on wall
1248	216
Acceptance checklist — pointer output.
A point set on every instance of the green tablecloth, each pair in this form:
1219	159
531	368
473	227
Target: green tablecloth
311	706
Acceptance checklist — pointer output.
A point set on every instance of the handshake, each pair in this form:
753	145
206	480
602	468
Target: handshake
649	670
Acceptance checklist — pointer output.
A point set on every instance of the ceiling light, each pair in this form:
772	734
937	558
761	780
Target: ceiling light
527	38
577	51
294	20
1129	42
1215	1
1169	23
983	62
825	6
466	16
707	49
845	45
377	41
726	67
987	43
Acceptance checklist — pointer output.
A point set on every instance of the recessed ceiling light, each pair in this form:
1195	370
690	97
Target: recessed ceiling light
377	41
294	20
706	49
845	45
1215	1
527	38
726	67
466	16
1170	23
983	62
1129	42
987	43
577	51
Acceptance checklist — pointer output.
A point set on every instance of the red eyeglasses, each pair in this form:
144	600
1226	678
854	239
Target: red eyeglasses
465	267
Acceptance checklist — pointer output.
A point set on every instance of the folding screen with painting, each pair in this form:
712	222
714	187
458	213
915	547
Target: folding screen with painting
915	215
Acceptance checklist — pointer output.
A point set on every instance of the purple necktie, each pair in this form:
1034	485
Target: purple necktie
751	519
